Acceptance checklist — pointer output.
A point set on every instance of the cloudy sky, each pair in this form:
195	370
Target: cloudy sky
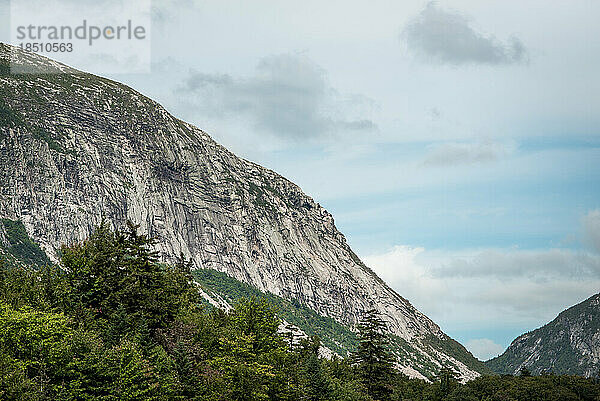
457	143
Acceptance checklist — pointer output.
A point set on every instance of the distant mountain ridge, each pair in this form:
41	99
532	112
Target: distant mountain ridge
75	147
569	344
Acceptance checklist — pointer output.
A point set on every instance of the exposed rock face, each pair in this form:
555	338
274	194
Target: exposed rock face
570	344
76	147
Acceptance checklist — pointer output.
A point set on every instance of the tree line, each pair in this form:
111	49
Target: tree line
110	322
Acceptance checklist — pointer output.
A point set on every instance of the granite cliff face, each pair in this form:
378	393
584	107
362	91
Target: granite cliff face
570	344
76	148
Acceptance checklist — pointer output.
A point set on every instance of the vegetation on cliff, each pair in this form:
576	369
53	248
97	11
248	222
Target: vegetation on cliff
111	323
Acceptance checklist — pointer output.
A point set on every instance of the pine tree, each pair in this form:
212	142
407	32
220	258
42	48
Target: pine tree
316	386
448	381
372	358
291	336
524	372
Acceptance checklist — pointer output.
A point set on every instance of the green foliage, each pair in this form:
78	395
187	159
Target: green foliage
546	388
315	383
8	117
11	118
45	358
500	388
4	67
344	382
372	358
115	283
455	349
34	349
111	323
333	335
21	246
42	134
251	355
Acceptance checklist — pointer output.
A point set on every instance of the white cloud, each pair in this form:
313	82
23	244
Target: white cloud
546	264
401	269
480	288
289	96
591	228
448	37
484	348
448	154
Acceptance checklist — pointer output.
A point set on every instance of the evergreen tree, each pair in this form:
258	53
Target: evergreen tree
448	381
114	324
315	383
114	281
372	358
525	372
291	336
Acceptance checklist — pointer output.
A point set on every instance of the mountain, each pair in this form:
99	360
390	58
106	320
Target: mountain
570	344
17	248
77	148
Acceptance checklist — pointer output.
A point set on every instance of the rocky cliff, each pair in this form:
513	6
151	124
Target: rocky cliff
76	148
570	344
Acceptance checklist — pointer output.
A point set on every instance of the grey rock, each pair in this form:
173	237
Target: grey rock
570	344
82	148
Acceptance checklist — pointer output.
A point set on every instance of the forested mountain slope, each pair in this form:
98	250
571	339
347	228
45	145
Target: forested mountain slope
76	148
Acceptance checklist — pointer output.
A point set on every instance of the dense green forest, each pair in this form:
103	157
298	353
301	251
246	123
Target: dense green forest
332	334
109	322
